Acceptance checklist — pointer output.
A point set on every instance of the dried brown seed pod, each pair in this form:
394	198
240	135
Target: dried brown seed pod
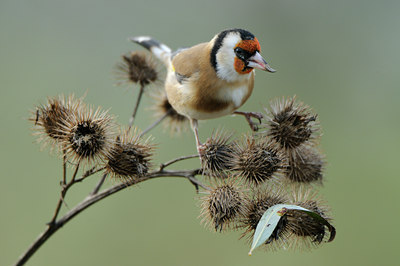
308	232
258	160
217	154
291	123
49	119
223	205
137	67
296	229
305	165
163	110
263	199
88	135
130	157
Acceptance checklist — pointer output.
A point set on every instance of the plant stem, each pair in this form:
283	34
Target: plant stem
163	165
88	173
64	191
155	124
64	181
93	198
98	186
136	106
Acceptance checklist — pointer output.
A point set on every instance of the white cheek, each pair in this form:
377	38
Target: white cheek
226	59
226	70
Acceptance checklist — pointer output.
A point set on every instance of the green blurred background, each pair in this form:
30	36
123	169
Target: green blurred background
340	57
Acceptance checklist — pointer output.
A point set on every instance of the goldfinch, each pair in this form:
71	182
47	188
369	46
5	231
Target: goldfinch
210	79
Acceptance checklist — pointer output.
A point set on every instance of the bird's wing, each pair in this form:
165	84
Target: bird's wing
177	52
187	62
160	50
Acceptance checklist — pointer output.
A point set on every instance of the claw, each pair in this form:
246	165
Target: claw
249	115
200	149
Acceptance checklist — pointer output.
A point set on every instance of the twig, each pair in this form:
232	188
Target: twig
89	172
98	186
64	181
163	165
64	191
92	199
75	173
136	106
155	124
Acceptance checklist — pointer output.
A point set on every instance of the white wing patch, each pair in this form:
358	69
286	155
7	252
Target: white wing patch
161	53
160	50
142	38
165	48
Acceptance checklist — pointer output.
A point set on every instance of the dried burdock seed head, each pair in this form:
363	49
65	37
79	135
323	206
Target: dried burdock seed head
137	67
296	229
130	156
49	119
309	231
224	204
263	199
305	165
164	110
217	154
291	124
88	135
258	160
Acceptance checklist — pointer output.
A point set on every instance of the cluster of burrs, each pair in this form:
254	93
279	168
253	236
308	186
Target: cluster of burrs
245	176
279	165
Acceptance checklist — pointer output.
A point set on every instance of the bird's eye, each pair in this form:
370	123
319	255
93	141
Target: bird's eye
240	53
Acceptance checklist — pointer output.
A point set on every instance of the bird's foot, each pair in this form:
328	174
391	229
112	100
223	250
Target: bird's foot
249	115
201	148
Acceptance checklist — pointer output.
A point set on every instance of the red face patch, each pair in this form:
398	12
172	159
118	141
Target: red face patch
241	68
250	45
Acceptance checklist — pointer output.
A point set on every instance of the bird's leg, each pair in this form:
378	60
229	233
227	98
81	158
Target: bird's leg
194	125
248	116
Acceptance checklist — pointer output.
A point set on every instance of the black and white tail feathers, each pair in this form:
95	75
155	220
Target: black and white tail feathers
160	50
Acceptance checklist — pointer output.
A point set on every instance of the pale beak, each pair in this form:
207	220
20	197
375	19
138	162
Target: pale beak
256	61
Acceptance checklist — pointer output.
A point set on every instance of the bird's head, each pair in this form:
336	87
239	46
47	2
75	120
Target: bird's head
236	52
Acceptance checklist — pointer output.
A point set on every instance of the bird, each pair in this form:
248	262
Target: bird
210	79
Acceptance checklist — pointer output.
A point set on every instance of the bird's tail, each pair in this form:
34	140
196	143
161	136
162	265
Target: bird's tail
160	50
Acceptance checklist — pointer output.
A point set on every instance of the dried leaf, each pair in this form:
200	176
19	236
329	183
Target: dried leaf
271	218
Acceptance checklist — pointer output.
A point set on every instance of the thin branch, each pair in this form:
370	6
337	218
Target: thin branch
51	229
64	191
132	119
64	181
92	199
155	123
163	165
64	202
88	173
98	186
75	173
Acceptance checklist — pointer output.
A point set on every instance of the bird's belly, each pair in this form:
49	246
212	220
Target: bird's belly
189	105
201	115
235	95
187	100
